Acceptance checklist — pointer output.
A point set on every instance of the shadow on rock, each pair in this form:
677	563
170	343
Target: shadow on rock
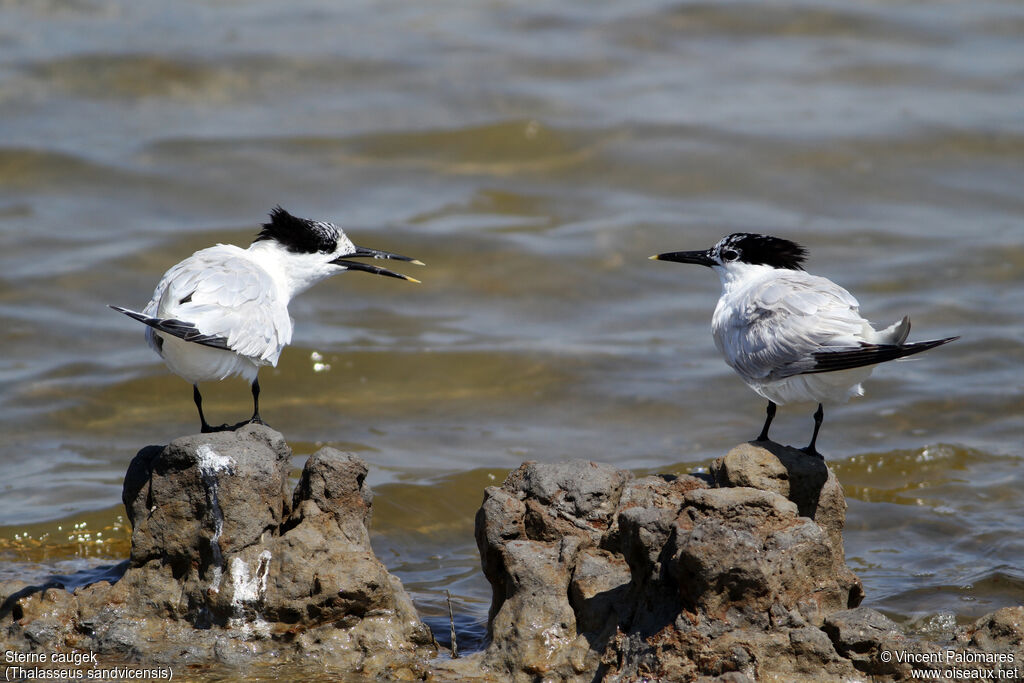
805	480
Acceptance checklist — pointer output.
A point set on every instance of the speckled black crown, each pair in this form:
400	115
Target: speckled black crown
299	235
764	249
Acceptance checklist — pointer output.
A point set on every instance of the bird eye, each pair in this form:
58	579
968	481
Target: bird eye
730	254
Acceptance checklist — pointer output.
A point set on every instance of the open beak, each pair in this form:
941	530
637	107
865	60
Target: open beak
701	258
363	252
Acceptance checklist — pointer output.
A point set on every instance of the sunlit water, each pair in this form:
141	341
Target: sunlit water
533	157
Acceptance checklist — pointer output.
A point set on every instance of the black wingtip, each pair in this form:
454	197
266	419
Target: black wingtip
930	344
178	328
870	354
128	312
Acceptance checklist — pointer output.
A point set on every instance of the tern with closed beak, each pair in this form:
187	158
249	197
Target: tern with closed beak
223	311
790	335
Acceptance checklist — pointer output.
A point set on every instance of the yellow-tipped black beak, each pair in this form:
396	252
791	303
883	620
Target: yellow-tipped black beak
363	252
701	258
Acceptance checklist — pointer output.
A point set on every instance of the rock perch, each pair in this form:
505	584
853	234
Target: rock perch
737	576
229	565
596	575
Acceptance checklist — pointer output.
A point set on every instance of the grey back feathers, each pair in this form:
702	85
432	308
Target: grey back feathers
299	235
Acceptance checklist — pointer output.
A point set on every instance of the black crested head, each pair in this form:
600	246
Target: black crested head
299	235
745	247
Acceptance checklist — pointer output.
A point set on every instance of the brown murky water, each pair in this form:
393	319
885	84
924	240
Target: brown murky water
533	157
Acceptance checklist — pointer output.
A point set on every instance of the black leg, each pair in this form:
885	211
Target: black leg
767	422
205	428
256	403
819	415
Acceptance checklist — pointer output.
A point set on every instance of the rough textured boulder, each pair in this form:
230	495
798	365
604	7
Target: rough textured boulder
741	576
595	571
228	564
596	576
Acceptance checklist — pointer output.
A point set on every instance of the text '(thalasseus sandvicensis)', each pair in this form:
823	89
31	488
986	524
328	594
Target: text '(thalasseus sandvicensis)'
790	335
224	310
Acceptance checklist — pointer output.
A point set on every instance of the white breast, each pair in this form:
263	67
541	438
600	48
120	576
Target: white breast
196	363
822	387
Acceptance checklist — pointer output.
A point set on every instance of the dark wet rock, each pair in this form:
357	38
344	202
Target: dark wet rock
228	564
862	634
1000	631
222	490
993	646
998	638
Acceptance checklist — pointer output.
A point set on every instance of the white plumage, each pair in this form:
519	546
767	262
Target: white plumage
768	320
792	336
224	292
224	310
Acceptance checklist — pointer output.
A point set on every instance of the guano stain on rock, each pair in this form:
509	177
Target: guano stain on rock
596	575
229	565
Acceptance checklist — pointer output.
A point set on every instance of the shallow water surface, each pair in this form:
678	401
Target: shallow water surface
533	157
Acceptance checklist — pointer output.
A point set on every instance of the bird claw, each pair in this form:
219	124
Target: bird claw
208	429
251	421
